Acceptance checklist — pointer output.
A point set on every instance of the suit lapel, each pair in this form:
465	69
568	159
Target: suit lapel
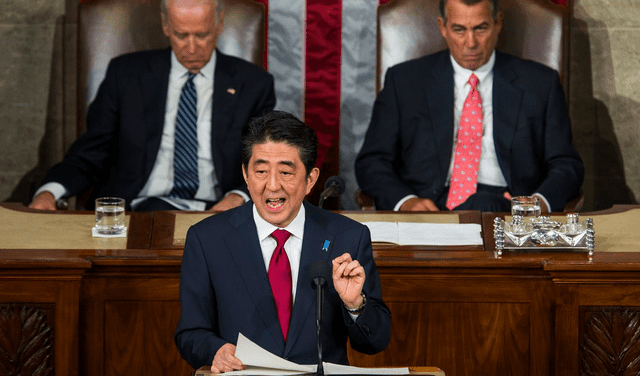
226	91
155	82
507	99
439	92
315	234
247	254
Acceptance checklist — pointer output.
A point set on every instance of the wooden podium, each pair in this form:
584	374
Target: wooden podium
111	308
429	371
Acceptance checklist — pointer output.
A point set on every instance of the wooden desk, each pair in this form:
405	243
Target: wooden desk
99	311
595	302
113	311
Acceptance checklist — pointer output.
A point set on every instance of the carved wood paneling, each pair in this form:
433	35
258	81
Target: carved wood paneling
463	339
26	339
610	341
138	338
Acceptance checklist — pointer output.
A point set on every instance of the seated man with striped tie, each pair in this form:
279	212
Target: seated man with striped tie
249	270
468	127
164	130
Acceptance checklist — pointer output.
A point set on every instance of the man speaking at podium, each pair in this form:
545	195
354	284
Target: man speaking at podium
247	270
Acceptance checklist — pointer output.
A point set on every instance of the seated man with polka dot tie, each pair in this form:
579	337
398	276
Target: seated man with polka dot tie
506	116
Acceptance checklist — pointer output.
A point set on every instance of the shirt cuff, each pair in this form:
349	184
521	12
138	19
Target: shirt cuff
399	204
543	199
239	193
56	189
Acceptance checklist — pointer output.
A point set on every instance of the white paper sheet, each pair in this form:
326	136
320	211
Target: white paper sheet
251	354
439	234
339	369
261	362
410	233
383	231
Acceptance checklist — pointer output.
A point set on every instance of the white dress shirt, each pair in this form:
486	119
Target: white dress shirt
160	180
489	172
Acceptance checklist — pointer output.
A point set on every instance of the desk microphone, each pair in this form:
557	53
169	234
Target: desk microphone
320	276
333	187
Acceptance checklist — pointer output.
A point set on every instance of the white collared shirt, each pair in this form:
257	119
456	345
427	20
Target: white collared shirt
160	180
292	247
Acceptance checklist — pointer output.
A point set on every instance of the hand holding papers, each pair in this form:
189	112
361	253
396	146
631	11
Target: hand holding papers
262	362
410	233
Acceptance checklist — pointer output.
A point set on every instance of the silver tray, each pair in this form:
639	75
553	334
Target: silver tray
540	233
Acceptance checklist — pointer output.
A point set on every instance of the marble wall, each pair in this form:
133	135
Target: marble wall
604	96
604	99
29	30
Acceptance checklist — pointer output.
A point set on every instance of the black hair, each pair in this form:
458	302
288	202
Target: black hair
280	126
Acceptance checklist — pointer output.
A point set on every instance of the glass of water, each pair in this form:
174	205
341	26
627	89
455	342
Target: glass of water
110	215
526	206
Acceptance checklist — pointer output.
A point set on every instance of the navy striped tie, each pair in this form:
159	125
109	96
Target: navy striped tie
185	159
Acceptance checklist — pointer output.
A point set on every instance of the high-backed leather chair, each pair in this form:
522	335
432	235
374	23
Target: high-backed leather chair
108	28
531	29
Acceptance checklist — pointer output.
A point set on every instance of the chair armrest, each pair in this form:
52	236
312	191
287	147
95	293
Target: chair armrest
365	202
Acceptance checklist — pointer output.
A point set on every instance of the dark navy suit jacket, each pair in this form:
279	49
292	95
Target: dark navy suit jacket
224	290
408	146
125	122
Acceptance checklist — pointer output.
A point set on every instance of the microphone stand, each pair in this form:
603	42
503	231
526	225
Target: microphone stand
328	192
319	282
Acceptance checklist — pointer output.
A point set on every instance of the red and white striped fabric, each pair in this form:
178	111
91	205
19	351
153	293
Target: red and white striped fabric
322	55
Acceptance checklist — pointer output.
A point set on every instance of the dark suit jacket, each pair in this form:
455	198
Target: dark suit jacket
224	290
407	149
125	122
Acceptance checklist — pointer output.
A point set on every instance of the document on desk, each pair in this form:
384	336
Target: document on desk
261	362
410	233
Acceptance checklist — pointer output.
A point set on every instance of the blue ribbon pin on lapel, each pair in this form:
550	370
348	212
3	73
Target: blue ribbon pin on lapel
325	246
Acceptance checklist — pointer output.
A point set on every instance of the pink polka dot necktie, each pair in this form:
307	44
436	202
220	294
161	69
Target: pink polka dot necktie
280	280
464	177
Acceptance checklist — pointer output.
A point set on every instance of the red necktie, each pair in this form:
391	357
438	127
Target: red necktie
280	280
464	177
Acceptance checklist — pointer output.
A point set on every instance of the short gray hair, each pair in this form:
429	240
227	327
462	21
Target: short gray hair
495	7
219	7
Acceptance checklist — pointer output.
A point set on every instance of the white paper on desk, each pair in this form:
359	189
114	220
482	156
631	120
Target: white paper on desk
439	234
340	369
415	233
383	231
253	355
261	362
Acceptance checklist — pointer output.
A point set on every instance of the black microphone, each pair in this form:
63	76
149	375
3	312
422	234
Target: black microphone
320	276
333	187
